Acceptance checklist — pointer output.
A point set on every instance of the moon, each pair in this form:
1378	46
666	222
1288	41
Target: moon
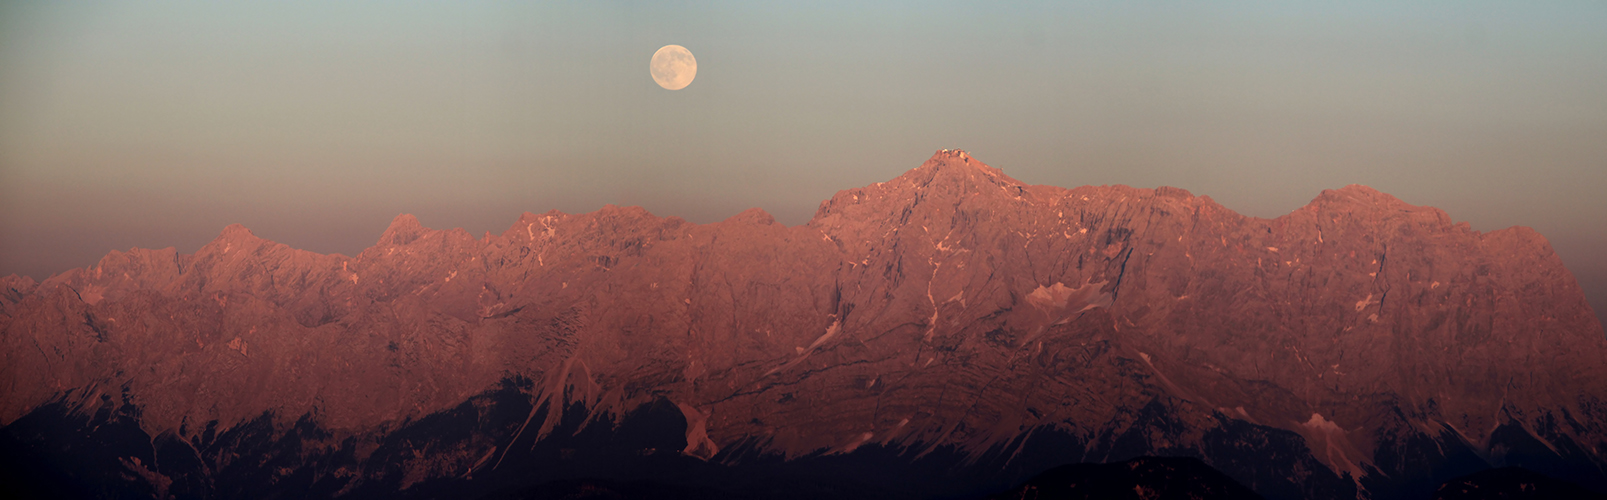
673	67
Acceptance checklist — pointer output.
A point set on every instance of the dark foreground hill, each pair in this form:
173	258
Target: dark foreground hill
1512	483
1144	478
951	332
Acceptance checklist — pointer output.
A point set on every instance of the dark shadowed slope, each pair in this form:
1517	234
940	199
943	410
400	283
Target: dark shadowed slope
1512	483
1144	478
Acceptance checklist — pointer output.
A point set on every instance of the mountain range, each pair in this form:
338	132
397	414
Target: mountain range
949	333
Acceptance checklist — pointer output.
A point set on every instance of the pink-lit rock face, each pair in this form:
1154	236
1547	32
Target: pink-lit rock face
951	308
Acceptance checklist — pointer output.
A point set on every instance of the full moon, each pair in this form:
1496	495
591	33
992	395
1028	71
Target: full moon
673	67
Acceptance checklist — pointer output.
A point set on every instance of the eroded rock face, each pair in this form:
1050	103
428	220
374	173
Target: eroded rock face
1358	345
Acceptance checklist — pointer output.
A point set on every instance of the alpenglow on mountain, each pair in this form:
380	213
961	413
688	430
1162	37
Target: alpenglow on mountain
949	332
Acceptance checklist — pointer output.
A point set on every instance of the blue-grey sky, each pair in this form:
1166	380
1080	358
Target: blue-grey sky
155	124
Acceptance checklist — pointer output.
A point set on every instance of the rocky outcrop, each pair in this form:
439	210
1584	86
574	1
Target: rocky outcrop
1356	346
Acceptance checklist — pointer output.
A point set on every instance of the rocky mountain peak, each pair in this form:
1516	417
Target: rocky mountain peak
955	172
1357	197
753	216
235	233
403	230
950	176
233	238
14	287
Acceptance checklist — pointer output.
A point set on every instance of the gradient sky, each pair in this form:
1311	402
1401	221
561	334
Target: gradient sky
155	124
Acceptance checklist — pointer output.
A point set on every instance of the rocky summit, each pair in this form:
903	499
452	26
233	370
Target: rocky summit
949	333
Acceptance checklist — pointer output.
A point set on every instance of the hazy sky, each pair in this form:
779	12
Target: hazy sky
156	124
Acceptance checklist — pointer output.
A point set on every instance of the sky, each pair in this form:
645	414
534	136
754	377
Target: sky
156	124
